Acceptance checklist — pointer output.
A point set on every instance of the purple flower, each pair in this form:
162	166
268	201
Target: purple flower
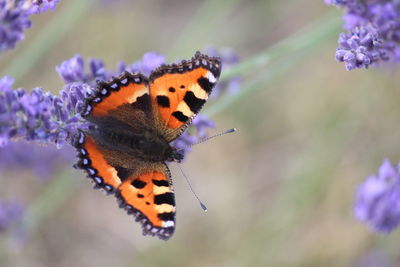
10	212
73	70
360	48
197	132
39	115
202	125
43	160
373	32
149	62
44	5
14	19
185	141
378	199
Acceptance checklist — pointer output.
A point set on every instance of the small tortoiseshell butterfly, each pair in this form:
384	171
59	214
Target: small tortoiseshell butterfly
134	120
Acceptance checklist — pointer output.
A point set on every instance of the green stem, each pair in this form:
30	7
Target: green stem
311	35
281	58
257	83
47	38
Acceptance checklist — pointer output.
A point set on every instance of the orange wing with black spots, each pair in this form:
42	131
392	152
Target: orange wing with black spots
149	196
93	161
110	96
178	92
133	119
145	192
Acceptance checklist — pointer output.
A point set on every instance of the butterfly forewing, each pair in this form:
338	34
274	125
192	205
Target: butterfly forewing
178	92
125	98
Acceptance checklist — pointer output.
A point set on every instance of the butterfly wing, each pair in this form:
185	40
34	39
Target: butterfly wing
93	161
125	99
148	195
178	92
166	102
142	189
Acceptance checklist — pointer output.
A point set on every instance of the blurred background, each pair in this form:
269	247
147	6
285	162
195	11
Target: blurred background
279	191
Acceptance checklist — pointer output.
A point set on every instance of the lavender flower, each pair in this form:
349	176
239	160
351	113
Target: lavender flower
197	132
14	19
43	160
378	199
40	6
73	70
373	32
39	115
149	62
10	212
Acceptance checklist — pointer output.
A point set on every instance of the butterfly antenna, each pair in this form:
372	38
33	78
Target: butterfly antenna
213	136
191	189
208	138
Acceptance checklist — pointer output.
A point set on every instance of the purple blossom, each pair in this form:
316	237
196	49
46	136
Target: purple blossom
14	19
378	199
44	161
41	6
198	131
360	48
185	141
39	115
202	124
373	32
149	62
73	70
10	212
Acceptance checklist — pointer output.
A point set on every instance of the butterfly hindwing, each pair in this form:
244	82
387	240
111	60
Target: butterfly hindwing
144	190
148	195
178	92
92	160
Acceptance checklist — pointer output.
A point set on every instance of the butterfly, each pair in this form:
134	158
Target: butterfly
133	120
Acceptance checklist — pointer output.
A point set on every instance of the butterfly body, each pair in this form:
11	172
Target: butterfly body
133	120
144	144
